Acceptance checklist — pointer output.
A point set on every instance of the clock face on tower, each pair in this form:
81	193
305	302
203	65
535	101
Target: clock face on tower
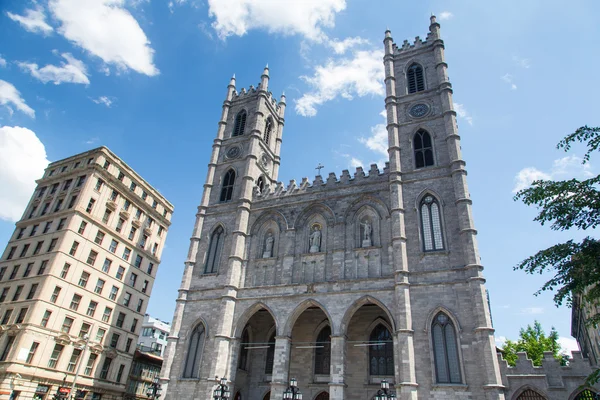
418	110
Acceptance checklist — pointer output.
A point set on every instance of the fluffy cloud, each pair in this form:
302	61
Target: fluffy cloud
532	310
71	71
22	161
107	30
2	62
341	46
562	168
378	140
522	62
103	100
32	21
462	112
361	75
445	15
306	17
10	95
567	345
508	78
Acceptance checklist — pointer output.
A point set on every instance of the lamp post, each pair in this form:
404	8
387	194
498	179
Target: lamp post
86	341
293	391
154	390
222	390
385	393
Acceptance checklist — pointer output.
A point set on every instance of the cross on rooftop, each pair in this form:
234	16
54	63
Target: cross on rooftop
319	168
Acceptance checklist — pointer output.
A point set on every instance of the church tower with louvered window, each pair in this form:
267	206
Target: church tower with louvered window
339	282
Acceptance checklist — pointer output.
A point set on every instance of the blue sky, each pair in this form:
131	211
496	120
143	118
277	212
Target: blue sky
148	78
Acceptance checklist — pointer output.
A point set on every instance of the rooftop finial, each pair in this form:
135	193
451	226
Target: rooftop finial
388	33
266	70
432	18
232	81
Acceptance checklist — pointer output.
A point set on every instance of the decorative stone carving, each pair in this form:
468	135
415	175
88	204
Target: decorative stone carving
315	239
366	236
268	245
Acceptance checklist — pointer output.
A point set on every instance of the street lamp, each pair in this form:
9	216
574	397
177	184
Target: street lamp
222	390
293	391
385	393
84	346
154	389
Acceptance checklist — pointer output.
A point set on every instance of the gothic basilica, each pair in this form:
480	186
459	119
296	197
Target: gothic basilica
344	282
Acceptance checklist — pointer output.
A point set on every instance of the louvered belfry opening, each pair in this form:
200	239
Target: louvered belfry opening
416	82
240	124
530	395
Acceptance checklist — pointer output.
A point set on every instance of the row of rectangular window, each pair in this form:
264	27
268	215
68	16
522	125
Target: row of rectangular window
34	228
17	294
26	272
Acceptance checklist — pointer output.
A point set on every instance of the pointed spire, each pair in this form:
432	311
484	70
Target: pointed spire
432	18
282	100
388	33
266	70
232	81
264	79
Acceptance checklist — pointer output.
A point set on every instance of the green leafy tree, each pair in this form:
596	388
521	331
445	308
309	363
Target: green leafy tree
534	342
569	204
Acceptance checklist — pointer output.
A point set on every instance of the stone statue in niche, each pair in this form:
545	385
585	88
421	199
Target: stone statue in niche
268	246
315	239
367	230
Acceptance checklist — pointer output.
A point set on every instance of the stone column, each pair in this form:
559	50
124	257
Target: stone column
338	368
281	366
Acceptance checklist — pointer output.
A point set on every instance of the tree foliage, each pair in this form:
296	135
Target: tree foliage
534	342
569	204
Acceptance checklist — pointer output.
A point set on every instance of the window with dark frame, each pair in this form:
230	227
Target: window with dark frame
415	79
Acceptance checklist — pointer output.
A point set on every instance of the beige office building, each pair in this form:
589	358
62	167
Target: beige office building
76	277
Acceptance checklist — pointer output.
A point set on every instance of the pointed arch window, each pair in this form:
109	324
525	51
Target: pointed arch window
381	351
270	355
214	251
261	184
414	78
423	149
193	357
268	130
227	188
243	365
240	124
445	350
530	395
431	225
323	352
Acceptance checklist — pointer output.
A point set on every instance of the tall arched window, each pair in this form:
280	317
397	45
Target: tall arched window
260	183
214	251
270	355
445	350
322	396
423	149
240	124
268	129
323	352
244	350
585	395
414	78
431	225
530	395
227	188
194	354
381	355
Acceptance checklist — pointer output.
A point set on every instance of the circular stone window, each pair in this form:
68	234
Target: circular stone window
419	110
233	152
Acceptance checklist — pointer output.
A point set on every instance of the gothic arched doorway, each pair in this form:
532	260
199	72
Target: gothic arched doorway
322	396
267	396
530	395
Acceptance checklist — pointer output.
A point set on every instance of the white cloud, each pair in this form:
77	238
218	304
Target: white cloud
522	62
10	95
107	101
306	17
2	62
71	71
33	20
532	310
93	140
445	15
508	78
378	140
22	161
107	30
500	341
567	345
462	112
361	75
562	168
341	46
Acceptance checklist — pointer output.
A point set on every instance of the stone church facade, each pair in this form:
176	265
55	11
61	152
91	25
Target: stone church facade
339	282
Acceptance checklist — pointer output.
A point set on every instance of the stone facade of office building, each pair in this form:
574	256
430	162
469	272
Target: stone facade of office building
76	277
